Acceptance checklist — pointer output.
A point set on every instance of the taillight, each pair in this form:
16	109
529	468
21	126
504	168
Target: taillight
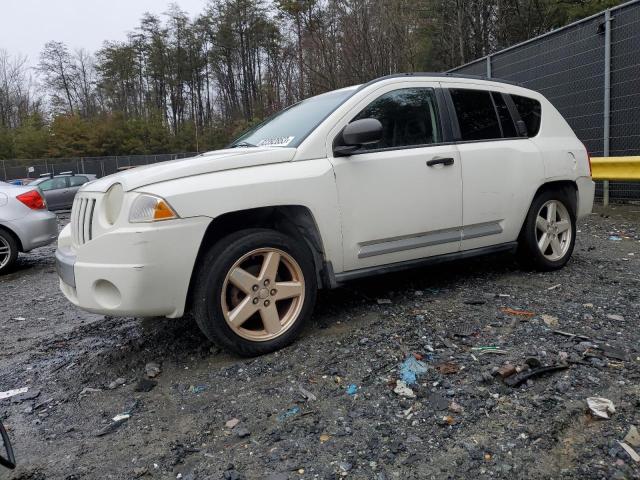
33	200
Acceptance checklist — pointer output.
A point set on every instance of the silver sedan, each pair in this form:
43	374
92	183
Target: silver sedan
25	223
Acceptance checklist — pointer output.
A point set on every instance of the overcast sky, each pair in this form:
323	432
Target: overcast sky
28	24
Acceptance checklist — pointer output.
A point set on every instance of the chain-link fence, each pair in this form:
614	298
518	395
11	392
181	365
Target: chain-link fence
100	166
590	70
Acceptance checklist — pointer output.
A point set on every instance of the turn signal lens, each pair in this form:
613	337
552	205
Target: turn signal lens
33	200
149	208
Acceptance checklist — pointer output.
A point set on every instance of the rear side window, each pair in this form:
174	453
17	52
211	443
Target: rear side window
53	184
476	114
408	117
530	112
77	181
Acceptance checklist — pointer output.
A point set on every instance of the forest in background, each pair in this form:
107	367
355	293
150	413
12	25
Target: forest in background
181	84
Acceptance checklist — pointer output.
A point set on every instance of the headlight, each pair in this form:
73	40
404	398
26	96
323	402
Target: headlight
149	208
113	203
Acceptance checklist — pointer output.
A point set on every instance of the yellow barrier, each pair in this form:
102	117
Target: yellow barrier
616	168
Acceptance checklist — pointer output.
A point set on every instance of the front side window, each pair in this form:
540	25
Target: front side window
530	112
53	184
408	117
476	114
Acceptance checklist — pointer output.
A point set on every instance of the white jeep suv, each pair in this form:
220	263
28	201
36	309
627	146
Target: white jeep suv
402	171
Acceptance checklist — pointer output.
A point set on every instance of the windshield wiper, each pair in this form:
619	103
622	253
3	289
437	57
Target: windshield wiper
242	145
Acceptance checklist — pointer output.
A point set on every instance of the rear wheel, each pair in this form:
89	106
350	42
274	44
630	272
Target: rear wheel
254	291
549	233
8	251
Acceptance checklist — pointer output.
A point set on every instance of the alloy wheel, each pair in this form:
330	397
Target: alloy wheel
553	230
263	294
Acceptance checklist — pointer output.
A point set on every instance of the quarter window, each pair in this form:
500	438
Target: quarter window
530	112
408	117
476	114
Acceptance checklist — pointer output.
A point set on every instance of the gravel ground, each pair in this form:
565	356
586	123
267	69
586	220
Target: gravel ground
327	406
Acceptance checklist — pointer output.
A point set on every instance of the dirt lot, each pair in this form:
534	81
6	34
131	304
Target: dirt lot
326	407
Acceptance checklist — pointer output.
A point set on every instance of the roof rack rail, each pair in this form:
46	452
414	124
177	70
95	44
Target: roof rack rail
442	75
67	173
46	175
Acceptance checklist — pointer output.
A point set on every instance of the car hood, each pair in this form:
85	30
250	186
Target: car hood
210	162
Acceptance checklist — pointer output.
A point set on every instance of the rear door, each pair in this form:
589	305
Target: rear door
75	182
500	169
54	190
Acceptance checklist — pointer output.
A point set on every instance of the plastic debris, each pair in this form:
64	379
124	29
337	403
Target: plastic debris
324	438
520	378
489	350
352	389
403	390
615	238
289	413
13	393
617	318
411	369
121	417
88	390
632	453
384	301
197	388
518	313
633	437
554	287
601	407
570	335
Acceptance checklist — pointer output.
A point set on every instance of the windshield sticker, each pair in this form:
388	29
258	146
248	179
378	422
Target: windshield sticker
275	142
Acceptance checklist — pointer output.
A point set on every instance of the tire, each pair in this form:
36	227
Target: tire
266	318
8	251
562	227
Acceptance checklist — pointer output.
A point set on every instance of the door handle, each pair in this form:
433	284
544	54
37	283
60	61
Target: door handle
440	161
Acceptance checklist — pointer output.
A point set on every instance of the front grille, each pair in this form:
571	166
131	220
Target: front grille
82	219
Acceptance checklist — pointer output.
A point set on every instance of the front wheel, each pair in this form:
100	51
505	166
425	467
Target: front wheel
254	291
549	233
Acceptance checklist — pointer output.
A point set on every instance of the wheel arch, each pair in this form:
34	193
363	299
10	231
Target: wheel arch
296	221
13	235
569	186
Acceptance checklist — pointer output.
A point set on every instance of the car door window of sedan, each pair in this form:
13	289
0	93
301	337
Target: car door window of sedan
408	118
53	184
77	181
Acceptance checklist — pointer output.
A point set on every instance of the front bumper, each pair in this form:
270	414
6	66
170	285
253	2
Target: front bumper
141	271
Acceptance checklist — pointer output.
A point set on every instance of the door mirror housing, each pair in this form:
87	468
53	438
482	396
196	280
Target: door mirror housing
361	132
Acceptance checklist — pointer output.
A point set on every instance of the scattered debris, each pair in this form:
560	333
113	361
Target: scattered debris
489	350
448	368
601	407
88	390
518	313
403	390
633	437
554	287
352	389
23	397
518	379
13	393
197	388
232	423
241	432
384	301
571	335
507	370
152	369
324	438
456	407
289	413
550	320
116	383
113	426
307	394
411	369
632	453
617	318
615	238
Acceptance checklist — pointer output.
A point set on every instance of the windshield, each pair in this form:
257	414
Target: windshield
291	126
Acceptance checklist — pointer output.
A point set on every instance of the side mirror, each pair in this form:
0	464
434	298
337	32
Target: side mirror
521	128
9	461
356	134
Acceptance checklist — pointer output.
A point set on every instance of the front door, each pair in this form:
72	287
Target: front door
400	199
